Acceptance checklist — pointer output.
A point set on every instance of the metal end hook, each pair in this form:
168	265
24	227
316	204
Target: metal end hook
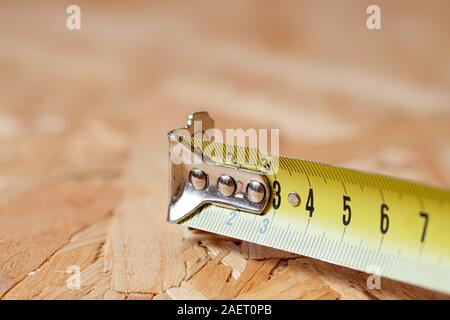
197	126
195	180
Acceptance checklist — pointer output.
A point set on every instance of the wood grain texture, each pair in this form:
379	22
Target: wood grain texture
83	117
84	250
147	252
33	228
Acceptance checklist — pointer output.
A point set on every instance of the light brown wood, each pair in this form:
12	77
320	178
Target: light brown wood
83	118
294	282
35	227
49	281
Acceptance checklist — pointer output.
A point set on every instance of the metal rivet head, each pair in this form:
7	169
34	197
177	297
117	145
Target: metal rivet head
256	192
198	179
226	186
294	199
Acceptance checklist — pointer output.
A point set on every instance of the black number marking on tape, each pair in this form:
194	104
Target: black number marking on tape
425	226
310	202
384	225
276	202
347	218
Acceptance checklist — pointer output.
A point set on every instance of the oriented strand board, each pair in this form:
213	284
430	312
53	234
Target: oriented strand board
146	252
34	227
55	278
82	110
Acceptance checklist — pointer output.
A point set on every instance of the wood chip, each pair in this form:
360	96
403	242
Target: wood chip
162	296
295	282
255	272
233	259
348	283
210	280
185	292
196	258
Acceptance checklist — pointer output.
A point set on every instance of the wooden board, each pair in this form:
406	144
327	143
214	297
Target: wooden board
83	151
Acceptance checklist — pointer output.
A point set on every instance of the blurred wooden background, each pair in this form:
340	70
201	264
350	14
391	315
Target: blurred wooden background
83	118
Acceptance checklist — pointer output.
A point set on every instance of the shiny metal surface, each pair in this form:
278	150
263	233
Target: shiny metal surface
186	197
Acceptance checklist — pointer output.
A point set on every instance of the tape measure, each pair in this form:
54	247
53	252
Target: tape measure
372	223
